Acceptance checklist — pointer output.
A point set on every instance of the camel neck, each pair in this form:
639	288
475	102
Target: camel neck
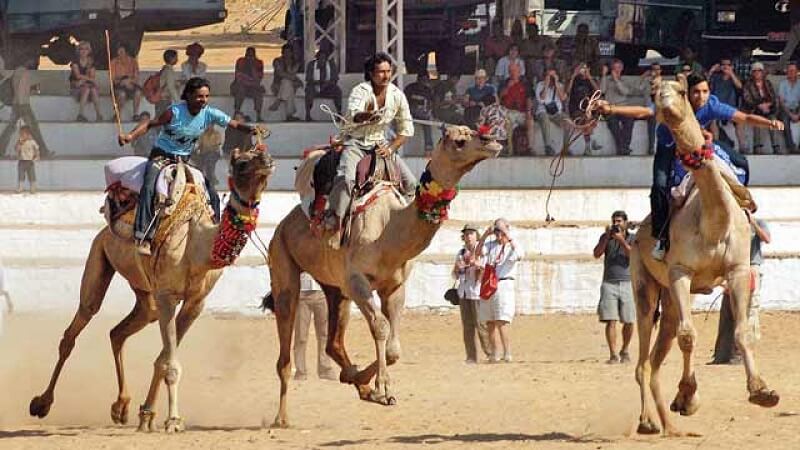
718	202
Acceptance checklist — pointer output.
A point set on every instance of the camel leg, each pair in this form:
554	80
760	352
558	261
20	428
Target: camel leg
143	313
666	335
97	275
379	327
686	400
739	282
645	293
286	291
338	318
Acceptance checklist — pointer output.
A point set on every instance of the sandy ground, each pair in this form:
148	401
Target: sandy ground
557	394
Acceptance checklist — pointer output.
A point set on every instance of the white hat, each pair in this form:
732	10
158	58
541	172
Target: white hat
757	66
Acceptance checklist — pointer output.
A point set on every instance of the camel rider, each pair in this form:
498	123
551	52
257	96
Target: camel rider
375	104
707	108
182	123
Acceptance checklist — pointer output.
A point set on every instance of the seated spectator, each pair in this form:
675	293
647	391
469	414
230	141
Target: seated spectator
686	70
247	82
27	155
516	99
236	138
495	117
726	86
789	94
689	58
193	67
322	79
648	79
587	49
759	98
582	86
447	105
125	73
145	143
168	82
285	82
617	92
550	98
478	96
495	47
207	153
82	81
21	82
512	58
548	61
420	102
532	48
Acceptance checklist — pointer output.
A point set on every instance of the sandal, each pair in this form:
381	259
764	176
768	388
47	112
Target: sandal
81	118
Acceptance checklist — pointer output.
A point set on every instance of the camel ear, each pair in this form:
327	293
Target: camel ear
683	81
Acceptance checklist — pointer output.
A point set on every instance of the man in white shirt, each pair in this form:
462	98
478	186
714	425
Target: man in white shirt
467	270
501	72
550	97
789	93
373	106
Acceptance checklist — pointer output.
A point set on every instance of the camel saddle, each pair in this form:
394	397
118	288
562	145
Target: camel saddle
180	195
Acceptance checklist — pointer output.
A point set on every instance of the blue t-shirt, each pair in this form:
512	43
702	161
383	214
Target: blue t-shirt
478	94
711	111
180	135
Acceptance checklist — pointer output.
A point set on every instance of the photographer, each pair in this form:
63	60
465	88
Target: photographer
616	295
550	98
467	270
582	86
726	86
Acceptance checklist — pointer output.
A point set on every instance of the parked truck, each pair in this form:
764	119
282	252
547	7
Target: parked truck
51	27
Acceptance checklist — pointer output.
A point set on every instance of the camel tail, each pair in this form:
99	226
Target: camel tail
268	303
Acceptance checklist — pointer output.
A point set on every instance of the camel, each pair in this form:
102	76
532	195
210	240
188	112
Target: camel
182	268
710	243
385	238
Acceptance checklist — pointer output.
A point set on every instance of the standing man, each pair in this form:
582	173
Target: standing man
322	79
789	94
21	84
311	302
467	270
616	295
375	104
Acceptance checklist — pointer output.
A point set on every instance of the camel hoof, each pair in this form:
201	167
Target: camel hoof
648	427
119	412
765	398
146	420
280	423
685	404
40	406
174	425
391	400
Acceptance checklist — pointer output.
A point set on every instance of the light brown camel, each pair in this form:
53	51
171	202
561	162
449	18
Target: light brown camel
183	271
385	239
710	243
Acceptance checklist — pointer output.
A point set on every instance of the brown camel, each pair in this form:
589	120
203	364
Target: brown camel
385	239
710	243
181	268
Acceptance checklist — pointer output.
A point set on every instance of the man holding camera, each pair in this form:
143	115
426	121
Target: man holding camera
467	270
550	98
616	295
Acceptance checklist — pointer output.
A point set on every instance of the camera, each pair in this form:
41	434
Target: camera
615	229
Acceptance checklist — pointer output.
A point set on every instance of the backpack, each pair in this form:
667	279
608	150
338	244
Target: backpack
152	88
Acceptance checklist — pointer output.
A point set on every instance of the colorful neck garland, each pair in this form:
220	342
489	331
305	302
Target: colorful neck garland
234	231
694	159
432	200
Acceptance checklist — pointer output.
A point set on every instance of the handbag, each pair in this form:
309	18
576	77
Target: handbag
488	282
552	106
451	295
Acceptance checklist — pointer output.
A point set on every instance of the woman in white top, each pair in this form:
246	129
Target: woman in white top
467	270
499	310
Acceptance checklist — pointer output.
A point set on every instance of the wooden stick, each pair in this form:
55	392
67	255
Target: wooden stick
111	85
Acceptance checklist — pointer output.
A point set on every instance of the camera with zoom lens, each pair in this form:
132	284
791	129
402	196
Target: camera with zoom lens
615	229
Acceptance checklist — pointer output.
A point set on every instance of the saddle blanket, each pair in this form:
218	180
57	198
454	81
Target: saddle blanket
129	172
721	156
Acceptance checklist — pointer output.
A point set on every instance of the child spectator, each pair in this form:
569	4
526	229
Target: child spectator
27	153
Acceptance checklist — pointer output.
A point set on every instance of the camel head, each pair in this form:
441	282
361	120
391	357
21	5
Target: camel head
675	111
250	171
459	150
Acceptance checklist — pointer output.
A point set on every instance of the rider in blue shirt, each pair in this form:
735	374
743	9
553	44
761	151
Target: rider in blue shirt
707	108
182	124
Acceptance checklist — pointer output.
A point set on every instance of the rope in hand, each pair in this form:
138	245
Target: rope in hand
111	84
578	127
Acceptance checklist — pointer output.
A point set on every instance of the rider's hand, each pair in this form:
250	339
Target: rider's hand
363	117
123	139
776	125
384	151
603	107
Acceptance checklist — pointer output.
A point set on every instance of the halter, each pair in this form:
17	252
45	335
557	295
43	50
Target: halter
433	200
234	229
696	158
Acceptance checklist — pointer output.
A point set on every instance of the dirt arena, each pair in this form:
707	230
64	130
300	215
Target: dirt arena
557	394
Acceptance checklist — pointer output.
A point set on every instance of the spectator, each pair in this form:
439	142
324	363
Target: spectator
532	48
447	106
616	296
587	49
617	91
495	47
649	79
322	79
193	67
125	72
743	62
495	117
168	81
759	98
420	101
548	61
550	98
582	86
789	94
236	138
689	58
726	86
285	82
311	302
21	82
478	96
247	79
498	312
467	270
145	143
82	81
686	70
516	99
517	36
502	72
207	153
725	350
794	34
27	155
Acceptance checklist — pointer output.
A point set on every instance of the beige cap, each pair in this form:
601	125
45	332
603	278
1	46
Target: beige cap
480	73
503	226
757	66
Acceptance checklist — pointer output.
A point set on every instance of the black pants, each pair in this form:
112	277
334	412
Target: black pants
659	192
622	131
146	211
